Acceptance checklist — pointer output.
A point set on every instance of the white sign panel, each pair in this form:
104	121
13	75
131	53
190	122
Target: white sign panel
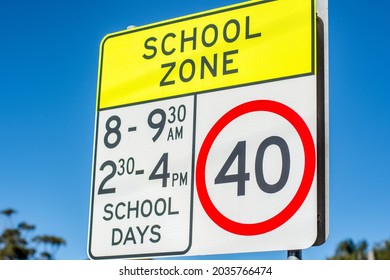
255	168
206	134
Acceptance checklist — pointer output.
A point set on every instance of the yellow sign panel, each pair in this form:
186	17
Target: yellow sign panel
237	45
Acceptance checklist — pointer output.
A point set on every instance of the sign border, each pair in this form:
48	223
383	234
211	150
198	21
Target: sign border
314	68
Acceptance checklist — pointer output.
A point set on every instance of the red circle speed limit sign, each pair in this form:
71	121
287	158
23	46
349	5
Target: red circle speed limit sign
241	176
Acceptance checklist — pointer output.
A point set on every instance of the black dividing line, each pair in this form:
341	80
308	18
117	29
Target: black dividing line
139	172
131	129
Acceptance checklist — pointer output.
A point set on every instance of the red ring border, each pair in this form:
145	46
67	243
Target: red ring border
308	175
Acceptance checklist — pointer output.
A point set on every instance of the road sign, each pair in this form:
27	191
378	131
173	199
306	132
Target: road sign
206	134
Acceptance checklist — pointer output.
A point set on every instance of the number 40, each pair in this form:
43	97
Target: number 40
239	153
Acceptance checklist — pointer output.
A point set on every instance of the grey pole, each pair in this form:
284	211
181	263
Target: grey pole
294	255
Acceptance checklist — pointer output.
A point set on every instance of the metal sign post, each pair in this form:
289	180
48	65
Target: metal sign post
294	255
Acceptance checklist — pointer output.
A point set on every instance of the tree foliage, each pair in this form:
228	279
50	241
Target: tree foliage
15	243
349	250
381	251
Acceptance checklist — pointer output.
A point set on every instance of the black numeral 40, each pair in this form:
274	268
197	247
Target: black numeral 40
239	155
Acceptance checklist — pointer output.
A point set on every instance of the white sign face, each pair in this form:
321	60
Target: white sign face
255	168
144	193
206	135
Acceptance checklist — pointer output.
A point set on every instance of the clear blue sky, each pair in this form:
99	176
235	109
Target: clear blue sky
48	74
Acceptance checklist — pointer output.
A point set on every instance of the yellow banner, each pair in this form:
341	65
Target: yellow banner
238	45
